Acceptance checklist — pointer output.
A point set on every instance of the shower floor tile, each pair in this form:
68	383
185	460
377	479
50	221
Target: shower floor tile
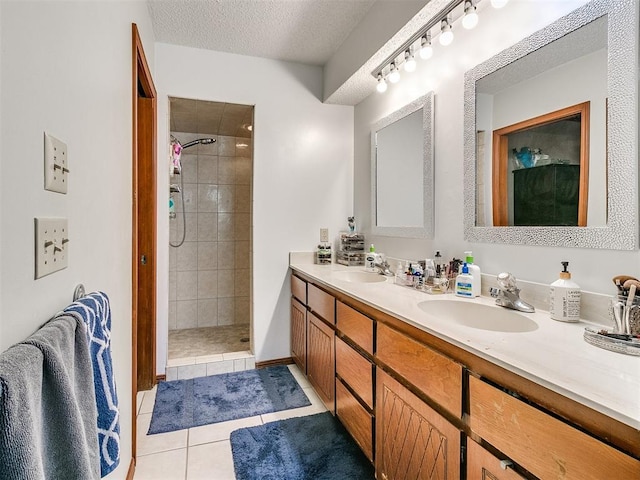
198	342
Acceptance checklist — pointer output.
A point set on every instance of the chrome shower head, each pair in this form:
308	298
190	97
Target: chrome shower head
202	141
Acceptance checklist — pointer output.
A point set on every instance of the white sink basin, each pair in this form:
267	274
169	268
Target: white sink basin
476	315
360	277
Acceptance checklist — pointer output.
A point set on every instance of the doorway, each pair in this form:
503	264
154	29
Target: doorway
210	267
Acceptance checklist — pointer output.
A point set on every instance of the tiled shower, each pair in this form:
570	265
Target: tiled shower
210	271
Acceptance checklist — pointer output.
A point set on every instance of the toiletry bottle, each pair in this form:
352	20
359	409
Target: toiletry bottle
370	259
464	283
474	271
564	298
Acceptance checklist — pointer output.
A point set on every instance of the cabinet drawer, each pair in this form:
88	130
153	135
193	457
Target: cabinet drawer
355	370
299	289
542	444
355	418
321	303
356	326
439	377
482	465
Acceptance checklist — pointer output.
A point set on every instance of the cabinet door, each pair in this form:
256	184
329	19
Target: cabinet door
482	465
299	334
413	442
321	364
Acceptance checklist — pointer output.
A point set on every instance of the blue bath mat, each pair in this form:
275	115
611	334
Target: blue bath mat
315	447
200	401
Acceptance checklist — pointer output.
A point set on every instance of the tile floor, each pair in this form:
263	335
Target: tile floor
196	342
201	452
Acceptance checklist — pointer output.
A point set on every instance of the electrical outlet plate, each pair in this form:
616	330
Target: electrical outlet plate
51	245
324	234
56	164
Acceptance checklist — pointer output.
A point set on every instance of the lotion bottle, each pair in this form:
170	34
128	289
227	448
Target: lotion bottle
370	259
464	283
564	298
474	271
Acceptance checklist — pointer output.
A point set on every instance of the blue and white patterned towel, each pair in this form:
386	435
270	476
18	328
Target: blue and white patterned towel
95	311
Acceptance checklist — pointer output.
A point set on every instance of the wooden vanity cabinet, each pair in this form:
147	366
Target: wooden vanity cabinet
299	322
321	360
413	441
482	465
539	442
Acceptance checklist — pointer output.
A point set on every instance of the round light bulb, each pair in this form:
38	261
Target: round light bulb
426	52
394	76
446	37
498	3
410	64
382	85
470	19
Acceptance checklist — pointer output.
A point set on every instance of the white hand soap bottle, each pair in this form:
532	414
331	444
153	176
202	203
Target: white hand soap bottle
474	271
564	298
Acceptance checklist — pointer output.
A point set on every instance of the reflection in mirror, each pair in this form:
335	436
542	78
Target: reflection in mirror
402	172
550	125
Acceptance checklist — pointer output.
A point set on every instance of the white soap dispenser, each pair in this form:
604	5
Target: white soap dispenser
564	298
464	283
474	271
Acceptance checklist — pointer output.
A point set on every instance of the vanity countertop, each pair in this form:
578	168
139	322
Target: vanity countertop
555	355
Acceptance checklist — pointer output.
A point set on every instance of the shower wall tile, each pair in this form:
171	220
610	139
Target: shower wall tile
207	255
226	198
207	227
189	169
210	149
187	256
241	254
226	283
226	227
243	199
243	171
208	312
186	314
226	309
207	284
226	146
242	310
242	281
244	151
176	227
187	285
207	198
172	285
207	169
242	226
226	170
226	258
172	259
190	192
172	315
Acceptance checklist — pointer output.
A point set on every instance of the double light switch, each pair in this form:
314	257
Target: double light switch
56	164
52	241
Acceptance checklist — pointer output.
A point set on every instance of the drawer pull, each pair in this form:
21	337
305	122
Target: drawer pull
504	464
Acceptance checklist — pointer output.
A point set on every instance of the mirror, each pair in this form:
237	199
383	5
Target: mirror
402	172
587	57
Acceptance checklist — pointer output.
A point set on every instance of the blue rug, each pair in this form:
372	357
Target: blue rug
200	401
315	447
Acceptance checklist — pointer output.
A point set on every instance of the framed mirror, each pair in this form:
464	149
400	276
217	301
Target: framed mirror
402	172
553	121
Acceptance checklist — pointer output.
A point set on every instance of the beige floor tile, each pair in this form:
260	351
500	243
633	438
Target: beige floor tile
160	442
139	399
211	461
297	374
220	431
171	465
148	401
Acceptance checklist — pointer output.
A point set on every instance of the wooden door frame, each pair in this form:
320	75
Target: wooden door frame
142	86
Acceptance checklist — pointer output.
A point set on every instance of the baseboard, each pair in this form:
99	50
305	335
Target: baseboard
161	378
132	469
277	361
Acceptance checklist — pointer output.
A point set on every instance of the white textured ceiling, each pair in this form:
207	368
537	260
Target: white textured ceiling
305	31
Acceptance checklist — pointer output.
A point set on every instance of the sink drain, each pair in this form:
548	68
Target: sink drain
244	339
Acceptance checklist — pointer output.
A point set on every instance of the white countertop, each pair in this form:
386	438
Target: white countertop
554	355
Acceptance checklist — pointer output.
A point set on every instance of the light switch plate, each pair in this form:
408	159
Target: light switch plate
51	245
56	164
324	234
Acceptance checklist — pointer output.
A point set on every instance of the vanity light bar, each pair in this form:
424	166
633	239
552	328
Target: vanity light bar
421	40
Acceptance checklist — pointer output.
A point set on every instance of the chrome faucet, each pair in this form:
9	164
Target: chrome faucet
508	294
384	268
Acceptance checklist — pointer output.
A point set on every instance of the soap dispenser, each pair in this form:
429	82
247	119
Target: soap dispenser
464	283
370	259
564	298
474	271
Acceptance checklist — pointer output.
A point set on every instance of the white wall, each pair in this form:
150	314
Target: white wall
444	73
66	69
303	171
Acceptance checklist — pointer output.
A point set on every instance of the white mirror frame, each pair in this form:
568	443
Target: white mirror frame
426	104
621	231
